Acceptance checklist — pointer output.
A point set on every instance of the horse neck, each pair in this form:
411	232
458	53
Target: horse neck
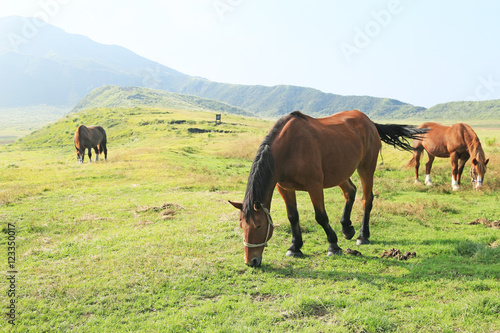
262	179
479	153
474	145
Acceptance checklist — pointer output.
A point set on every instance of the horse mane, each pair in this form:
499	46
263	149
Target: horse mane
262	170
473	143
77	136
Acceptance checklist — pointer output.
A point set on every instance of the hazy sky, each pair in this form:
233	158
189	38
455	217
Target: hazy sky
421	52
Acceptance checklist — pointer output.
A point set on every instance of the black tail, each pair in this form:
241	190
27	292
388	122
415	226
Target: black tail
397	135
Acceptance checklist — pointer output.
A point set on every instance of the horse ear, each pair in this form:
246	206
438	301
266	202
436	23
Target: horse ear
236	204
257	206
474	161
486	162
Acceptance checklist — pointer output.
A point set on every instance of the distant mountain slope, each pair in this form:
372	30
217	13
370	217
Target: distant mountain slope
465	110
114	96
53	67
279	100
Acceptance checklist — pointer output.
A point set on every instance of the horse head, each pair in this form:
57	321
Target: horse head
477	171
79	156
257	228
79	152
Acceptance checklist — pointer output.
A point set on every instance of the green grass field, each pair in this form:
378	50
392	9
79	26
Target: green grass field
146	242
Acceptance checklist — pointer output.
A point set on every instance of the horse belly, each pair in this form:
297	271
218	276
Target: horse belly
437	150
341	161
337	177
89	144
436	142
298	174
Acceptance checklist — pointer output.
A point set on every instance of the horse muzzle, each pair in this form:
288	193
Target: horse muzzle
255	262
477	183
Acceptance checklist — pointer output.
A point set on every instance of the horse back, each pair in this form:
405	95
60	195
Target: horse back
98	133
89	137
352	124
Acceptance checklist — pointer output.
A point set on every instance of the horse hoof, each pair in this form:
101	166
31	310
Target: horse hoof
362	241
455	188
295	254
428	183
336	252
349	233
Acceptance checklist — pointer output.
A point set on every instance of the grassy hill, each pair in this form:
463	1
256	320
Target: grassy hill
147	241
114	96
481	110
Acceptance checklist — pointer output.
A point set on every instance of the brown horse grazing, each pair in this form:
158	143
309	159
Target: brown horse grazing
459	142
310	154
90	137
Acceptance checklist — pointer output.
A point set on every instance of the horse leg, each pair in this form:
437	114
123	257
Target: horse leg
90	155
428	167
416	155
349	191
461	165
454	172
79	156
317	198
96	153
366	177
293	216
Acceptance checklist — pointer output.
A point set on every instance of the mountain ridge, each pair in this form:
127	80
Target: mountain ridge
61	68
465	110
56	68
113	96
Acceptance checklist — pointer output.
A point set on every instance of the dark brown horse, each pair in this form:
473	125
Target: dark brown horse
459	142
88	138
301	153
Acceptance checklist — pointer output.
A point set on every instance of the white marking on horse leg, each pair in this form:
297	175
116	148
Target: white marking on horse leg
454	184
428	180
96	158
